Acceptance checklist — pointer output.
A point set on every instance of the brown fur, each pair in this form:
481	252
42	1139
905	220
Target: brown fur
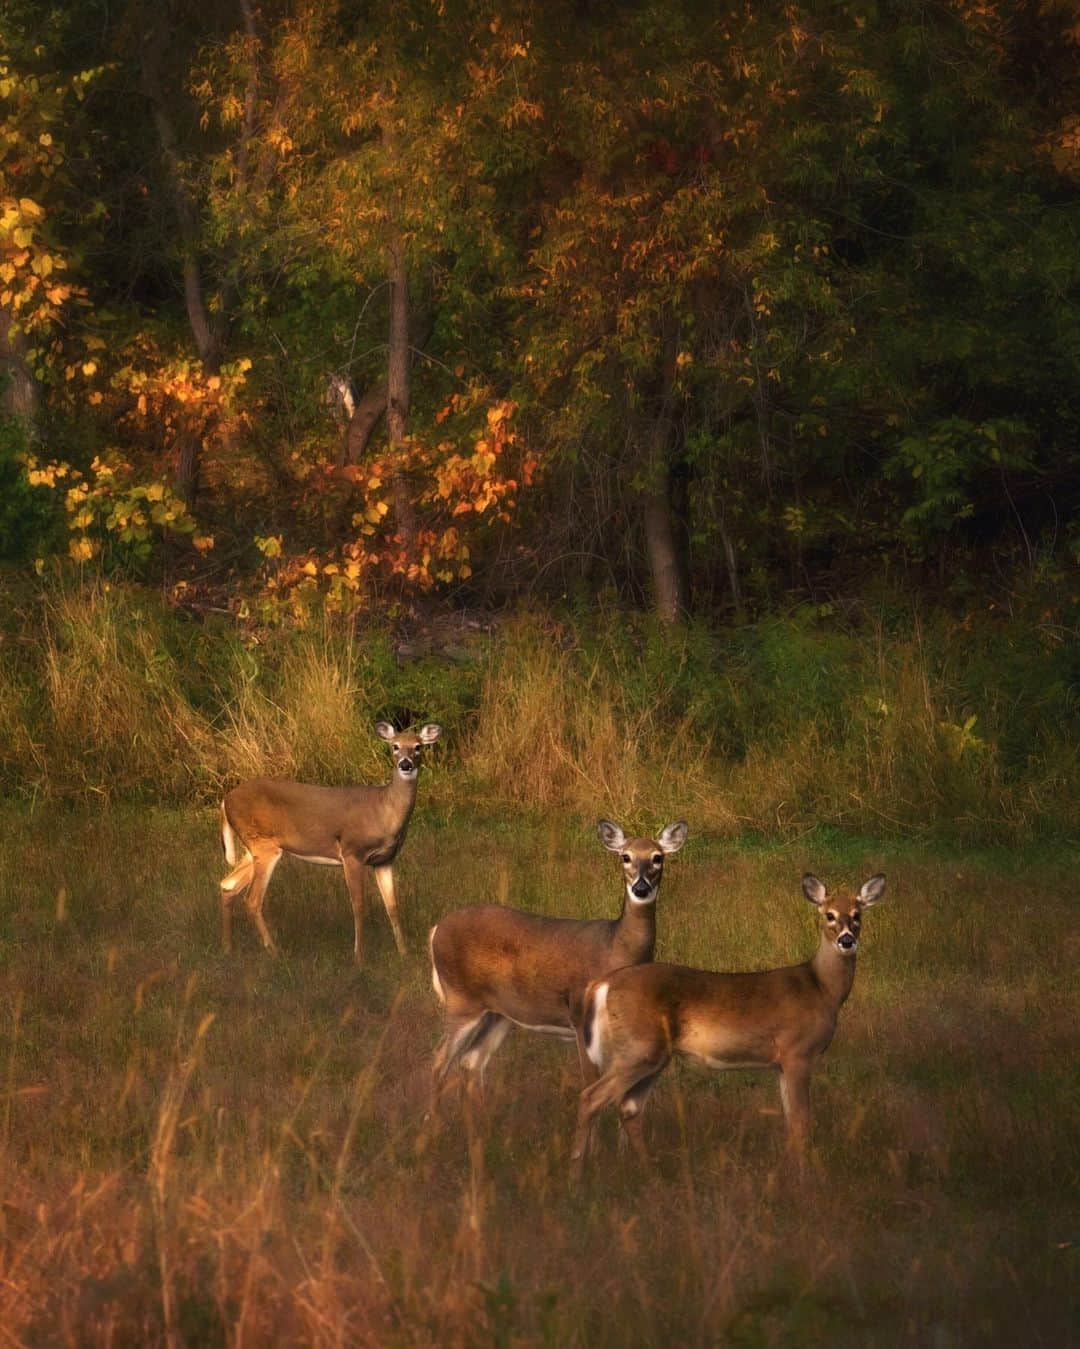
493	966
636	1020
350	827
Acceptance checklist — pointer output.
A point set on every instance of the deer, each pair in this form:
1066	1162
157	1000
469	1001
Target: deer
493	967
347	827
636	1020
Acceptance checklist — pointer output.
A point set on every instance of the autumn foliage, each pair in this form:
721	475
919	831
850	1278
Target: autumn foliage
301	304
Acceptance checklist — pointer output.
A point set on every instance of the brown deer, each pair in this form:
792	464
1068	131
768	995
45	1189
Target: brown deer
493	967
347	827
635	1020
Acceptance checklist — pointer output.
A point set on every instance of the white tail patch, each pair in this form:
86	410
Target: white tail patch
436	982
228	838
599	1026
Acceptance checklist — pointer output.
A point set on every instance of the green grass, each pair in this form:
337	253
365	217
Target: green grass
272	1170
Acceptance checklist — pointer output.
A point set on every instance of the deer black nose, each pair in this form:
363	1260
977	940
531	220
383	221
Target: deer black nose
406	765
846	940
641	888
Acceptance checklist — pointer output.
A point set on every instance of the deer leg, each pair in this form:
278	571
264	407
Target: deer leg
354	879
795	1098
234	883
263	867
461	1033
631	1109
487	1039
384	878
613	1085
589	1071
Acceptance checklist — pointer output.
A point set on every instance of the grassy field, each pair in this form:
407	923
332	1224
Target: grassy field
236	1148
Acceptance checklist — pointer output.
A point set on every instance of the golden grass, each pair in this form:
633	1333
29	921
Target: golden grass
267	1177
315	725
784	726
552	731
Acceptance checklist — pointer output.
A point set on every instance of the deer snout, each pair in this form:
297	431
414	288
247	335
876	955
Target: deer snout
641	888
847	941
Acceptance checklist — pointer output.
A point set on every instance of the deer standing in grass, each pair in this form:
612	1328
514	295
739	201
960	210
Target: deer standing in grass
635	1020
347	827
493	967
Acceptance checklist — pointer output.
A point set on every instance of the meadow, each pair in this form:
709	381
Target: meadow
208	1150
201	1150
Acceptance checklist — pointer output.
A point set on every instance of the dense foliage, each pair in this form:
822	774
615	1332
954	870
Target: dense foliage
712	302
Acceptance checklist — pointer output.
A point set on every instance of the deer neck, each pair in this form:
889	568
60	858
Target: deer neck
400	798
834	973
635	929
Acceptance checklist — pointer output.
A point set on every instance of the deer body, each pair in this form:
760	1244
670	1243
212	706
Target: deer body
349	827
636	1020
493	966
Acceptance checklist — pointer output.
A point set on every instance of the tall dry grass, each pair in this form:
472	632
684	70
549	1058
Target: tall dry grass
790	722
559	728
117	719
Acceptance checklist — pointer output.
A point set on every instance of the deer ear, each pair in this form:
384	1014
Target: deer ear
384	730
611	836
872	890
674	836
813	889
430	733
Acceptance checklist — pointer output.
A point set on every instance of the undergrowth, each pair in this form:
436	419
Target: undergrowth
887	721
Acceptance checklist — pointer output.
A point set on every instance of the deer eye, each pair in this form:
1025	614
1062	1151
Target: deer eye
627	858
657	859
831	917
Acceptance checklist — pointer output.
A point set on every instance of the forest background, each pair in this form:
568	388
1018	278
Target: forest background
722	360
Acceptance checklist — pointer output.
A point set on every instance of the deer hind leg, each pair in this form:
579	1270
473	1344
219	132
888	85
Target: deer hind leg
264	863
589	1071
384	879
631	1109
616	1084
462	1031
489	1036
234	884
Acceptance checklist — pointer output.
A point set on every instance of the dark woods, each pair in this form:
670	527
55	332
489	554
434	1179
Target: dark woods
696	306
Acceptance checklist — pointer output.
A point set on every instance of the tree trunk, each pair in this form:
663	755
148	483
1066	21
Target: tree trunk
668	590
364	420
397	405
732	571
21	393
668	579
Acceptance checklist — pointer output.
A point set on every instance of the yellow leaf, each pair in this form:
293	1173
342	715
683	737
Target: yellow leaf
89	368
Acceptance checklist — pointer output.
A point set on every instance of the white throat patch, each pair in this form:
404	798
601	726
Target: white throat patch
650	898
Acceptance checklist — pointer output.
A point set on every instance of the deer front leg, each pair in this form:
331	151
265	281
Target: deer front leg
384	879
795	1098
354	879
